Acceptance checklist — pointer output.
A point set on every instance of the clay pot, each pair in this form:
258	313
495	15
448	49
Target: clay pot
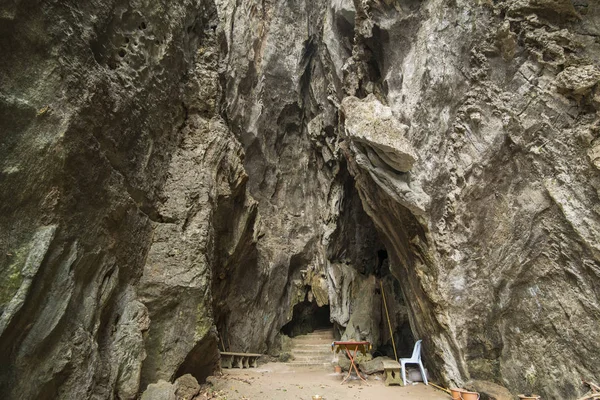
338	369
469	395
530	397
462	394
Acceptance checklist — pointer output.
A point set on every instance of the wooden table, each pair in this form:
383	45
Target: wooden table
363	347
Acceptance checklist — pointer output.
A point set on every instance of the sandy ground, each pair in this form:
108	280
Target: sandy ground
279	381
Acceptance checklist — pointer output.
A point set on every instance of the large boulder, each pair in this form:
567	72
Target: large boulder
372	366
162	390
372	124
186	387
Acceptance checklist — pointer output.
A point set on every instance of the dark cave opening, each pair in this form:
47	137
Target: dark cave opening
306	318
360	246
382	257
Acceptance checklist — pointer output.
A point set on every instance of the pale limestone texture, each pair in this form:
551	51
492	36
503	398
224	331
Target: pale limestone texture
372	125
178	176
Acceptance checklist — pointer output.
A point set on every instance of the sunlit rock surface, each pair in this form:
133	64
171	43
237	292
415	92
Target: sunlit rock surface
175	178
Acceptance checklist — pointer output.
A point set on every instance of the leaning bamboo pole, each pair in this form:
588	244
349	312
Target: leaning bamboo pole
440	388
388	320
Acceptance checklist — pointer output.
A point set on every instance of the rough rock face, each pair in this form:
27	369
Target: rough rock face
372	126
91	109
173	176
501	268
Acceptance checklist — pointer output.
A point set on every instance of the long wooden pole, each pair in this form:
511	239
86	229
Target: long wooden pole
388	319
440	388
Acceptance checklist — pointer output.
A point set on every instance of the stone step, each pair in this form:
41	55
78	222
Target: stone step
312	340
313	350
320	342
311	357
324	333
321	332
308	364
311	360
313	347
315	354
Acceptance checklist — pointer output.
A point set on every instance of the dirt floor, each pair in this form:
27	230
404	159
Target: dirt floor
279	381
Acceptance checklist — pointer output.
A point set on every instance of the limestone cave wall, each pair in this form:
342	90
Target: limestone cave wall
175	177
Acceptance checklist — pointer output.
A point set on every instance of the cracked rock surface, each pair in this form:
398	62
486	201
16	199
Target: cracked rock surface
176	177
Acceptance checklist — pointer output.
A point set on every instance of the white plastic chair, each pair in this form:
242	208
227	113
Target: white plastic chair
414	359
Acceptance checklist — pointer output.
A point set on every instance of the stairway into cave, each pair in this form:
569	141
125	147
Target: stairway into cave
312	333
313	348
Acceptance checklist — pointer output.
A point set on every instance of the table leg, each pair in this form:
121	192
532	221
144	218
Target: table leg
352	357
355	367
351	364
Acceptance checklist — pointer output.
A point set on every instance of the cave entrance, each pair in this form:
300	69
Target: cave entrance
306	318
361	258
